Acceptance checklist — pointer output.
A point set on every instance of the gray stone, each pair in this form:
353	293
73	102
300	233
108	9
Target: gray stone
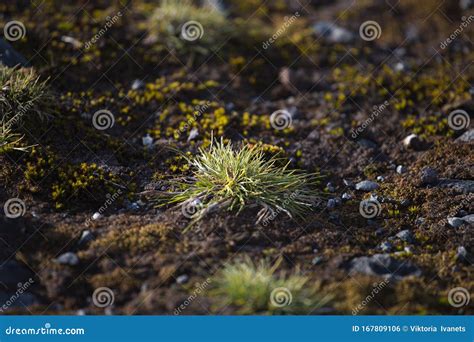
182	279
366	186
386	246
466	137
331	203
413	142
383	265
68	258
469	219
401	169
406	235
429	176
380	178
346	196
455	222
86	237
459	185
10	57
332	33
317	260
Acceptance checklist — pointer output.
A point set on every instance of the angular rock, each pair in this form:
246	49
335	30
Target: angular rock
383	265
406	235
466	137
366	186
455	222
459	185
429	176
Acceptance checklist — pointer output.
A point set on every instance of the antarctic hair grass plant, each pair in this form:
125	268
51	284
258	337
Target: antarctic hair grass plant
228	178
22	94
258	288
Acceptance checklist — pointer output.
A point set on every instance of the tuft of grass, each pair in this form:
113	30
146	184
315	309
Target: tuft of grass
229	178
22	95
170	16
256	288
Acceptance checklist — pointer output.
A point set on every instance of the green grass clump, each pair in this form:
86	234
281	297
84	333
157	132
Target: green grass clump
228	178
168	19
22	95
255	288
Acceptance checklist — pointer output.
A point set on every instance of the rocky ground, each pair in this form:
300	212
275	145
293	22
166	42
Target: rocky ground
377	96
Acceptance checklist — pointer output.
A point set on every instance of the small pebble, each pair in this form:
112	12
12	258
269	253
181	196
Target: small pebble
348	183
182	279
96	216
86	237
405	235
429	176
346	196
380	178
317	260
386	247
68	258
331	203
147	141
401	169
412	141
330	187
366	186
